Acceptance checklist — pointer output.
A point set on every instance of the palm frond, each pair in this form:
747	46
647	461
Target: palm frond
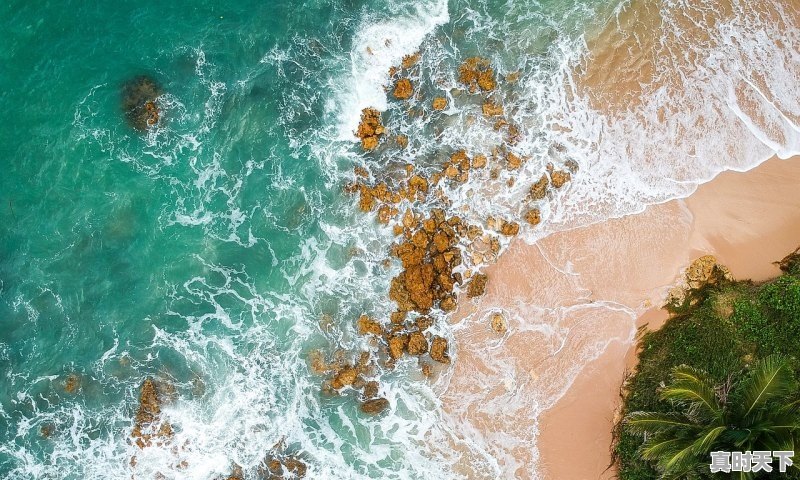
771	378
653	423
690	385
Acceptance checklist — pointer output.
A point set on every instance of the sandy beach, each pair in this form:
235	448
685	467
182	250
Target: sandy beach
573	302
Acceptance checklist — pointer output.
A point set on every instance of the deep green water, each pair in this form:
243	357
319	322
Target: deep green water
204	252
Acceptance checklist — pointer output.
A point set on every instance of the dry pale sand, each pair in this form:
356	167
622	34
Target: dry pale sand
543	396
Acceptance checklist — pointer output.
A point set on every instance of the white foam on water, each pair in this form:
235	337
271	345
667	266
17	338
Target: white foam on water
377	46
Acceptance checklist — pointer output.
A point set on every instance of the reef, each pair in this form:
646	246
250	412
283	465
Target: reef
476	73
370	129
140	102
148	426
403	90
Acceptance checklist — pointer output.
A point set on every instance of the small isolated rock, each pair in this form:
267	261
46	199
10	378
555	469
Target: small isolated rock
439	350
533	217
417	344
509	229
499	323
539	189
439	103
402	141
477	286
139	97
403	89
374	406
479	161
368	325
514	162
72	383
560	178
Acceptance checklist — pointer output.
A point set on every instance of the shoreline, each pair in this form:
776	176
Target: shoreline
739	218
572	303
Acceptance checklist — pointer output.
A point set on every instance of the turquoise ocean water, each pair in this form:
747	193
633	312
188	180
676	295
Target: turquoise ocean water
205	252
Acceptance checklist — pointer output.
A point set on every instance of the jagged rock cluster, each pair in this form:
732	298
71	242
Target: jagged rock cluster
370	129
148	425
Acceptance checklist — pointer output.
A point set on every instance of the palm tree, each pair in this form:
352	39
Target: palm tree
755	413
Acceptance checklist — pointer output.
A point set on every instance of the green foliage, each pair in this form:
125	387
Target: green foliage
759	413
725	329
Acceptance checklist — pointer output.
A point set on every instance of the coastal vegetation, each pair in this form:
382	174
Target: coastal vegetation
721	374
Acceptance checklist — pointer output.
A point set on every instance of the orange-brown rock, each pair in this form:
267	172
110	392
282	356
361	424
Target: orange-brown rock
368	325
374	406
427	370
439	103
491	109
560	177
398	318
147	417
477	286
439	350
498	323
417	184
476	73
371	389
402	141
370	128
509	229
403	89
344	378
417	344
533	216
423	322
513	161
410	60
479	161
448	304
360	171
397	345
539	189
278	467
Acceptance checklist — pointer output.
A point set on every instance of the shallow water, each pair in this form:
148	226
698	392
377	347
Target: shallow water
212	252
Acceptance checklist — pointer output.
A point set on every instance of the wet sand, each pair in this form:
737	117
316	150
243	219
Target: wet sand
747	220
550	385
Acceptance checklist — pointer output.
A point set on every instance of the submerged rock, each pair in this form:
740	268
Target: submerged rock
498	323
139	102
491	109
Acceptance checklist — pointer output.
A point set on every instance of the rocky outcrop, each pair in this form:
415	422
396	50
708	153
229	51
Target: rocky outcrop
498	323
491	109
403	90
701	272
417	344
439	350
367	325
476	73
370	129
139	102
147	424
